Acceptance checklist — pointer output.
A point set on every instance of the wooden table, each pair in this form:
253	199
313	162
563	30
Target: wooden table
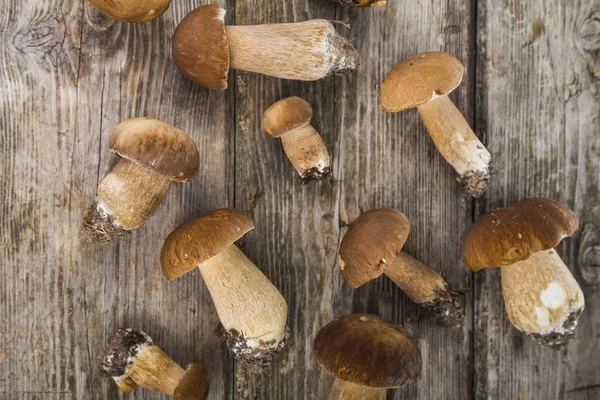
69	75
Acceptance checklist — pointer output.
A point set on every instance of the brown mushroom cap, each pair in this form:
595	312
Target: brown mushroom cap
371	244
286	115
200	48
202	238
363	349
158	146
419	80
132	10
193	385
511	234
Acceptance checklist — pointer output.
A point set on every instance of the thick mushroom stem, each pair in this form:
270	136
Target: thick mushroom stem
343	390
250	307
127	197
154	370
307	152
305	51
457	143
427	288
542	298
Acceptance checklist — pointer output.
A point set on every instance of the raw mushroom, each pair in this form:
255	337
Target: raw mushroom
367	356
372	246
541	296
289	119
204	49
152	153
133	359
250	307
361	3
132	10
425	81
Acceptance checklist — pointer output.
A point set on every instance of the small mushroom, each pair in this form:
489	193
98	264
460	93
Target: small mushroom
289	119
250	307
372	246
204	49
367	356
132	10
425	81
541	296
361	3
133	359
152	153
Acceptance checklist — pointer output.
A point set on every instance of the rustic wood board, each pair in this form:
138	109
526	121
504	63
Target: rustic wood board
69	74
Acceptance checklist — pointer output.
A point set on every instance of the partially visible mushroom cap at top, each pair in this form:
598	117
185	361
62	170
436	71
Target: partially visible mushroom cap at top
285	116
132	10
361	3
371	244
419	80
158	146
508	235
365	350
200	47
202	238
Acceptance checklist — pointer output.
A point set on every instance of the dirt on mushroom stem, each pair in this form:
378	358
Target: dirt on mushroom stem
98	228
558	340
315	174
445	310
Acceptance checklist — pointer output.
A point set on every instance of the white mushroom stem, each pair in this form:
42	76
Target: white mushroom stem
305	51
417	280
154	370
542	297
245	299
342	390
130	194
307	152
457	143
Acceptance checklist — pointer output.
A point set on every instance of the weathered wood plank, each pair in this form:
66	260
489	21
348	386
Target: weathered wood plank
538	92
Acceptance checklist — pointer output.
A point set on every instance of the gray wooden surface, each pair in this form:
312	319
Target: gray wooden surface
69	75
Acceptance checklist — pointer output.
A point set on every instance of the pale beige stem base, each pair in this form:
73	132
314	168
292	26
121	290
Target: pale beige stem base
154	370
542	298
250	307
307	153
457	143
427	288
305	51
342	390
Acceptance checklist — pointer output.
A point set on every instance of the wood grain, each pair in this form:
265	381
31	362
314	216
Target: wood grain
70	75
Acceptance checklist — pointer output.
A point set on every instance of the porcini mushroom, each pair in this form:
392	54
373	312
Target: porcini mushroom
361	3
152	153
541	296
373	246
367	356
251	309
132	10
289	119
133	359
425	81
204	49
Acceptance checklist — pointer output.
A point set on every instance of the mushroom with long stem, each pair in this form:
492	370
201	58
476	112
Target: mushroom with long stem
361	3
204	49
367	356
289	119
251	309
541	296
132	360
132	10
425	81
152	153
373	246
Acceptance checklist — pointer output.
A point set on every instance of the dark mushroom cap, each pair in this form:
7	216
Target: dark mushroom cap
158	146
132	10
193	385
363	349
285	116
371	244
511	234
200	48
122	350
202	238
419	80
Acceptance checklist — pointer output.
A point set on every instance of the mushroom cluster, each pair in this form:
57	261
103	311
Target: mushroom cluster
132	359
